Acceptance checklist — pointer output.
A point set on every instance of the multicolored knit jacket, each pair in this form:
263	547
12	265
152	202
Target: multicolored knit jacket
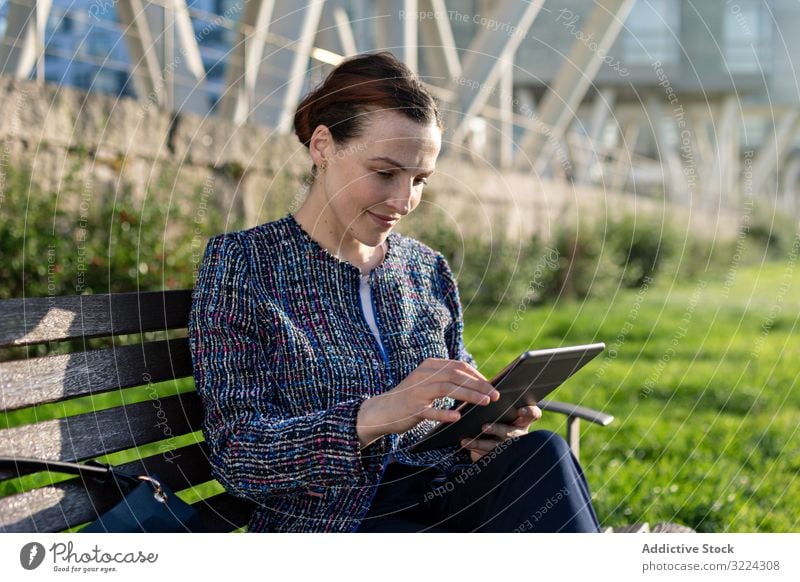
283	358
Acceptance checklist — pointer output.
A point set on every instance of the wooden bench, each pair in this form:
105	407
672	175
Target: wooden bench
144	426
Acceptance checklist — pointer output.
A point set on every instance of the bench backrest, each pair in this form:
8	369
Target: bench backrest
113	405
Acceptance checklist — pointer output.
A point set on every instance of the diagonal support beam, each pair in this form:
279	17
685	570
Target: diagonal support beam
139	38
439	46
490	51
622	166
244	61
167	68
282	70
185	71
575	77
335	34
602	107
22	46
790	181
396	29
499	130
721	183
601	110
773	150
674	179
506	98
188	41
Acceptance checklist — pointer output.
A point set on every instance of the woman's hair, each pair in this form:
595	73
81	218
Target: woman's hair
359	84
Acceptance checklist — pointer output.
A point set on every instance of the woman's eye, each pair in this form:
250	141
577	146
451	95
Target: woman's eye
422	181
385	174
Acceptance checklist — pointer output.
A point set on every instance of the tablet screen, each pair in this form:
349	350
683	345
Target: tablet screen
523	382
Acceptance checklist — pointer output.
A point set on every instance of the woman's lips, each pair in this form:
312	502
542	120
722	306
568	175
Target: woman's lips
382	220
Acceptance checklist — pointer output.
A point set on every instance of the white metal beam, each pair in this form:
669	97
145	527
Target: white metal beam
790	181
623	164
439	53
22	46
489	52
244	60
569	87
699	118
500	127
182	64
346	37
506	98
187	39
702	152
725	161
282	71
675	184
146	68
335	33
602	106
772	152
396	29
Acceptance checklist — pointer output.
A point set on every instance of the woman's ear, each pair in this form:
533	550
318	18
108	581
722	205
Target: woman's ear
321	145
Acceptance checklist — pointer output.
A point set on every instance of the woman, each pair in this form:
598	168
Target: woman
325	344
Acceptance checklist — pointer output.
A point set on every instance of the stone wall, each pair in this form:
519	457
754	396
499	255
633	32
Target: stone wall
82	145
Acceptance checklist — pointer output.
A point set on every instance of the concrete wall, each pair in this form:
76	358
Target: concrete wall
103	144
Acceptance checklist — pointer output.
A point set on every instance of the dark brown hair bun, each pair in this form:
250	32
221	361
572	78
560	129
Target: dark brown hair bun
359	84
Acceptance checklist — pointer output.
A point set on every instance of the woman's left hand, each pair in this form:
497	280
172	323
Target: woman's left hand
500	432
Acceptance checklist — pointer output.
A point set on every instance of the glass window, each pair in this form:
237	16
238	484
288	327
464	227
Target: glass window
652	31
747	37
3	16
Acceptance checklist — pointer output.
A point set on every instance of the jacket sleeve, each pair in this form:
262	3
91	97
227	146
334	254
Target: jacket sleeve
454	334
256	448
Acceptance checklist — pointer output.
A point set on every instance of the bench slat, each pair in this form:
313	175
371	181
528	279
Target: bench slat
69	503
64	505
36	320
89	435
55	378
52	508
59	507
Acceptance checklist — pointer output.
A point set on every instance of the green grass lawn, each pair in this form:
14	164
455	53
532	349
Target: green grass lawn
702	379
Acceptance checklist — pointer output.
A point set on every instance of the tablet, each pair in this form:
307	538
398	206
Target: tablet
523	382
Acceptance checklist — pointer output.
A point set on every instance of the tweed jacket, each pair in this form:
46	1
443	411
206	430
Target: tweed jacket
283	358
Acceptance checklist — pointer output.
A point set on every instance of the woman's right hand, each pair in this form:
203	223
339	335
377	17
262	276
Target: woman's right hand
411	401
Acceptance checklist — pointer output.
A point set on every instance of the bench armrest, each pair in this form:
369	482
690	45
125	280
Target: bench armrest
581	412
574	415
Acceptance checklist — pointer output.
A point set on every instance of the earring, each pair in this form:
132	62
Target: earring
323	165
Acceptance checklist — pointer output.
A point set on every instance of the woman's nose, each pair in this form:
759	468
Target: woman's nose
400	201
399	205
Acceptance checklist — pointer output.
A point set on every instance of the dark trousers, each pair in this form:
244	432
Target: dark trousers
530	484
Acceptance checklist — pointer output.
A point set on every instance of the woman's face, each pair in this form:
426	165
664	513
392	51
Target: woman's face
374	180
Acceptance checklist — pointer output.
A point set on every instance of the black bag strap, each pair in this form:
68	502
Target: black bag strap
91	468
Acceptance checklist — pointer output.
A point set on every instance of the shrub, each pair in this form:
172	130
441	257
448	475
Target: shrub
639	246
772	232
55	244
584	267
490	272
105	242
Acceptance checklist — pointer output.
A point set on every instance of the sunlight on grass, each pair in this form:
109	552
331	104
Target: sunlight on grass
702	379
